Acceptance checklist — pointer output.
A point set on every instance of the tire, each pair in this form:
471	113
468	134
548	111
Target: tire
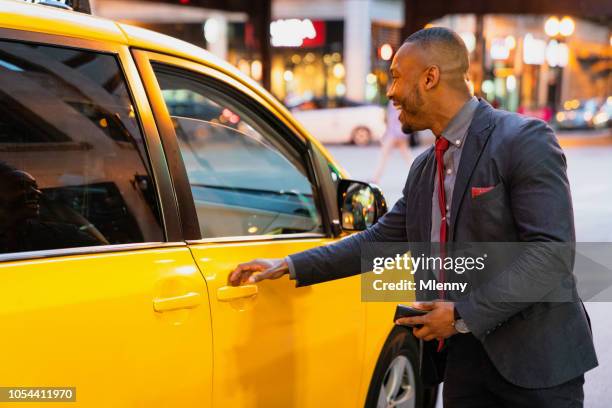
361	136
399	354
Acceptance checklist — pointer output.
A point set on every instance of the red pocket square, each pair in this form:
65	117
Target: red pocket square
476	191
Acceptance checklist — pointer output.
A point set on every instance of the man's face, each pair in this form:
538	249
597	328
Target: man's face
405	92
19	197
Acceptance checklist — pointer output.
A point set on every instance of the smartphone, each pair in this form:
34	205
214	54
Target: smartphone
408	311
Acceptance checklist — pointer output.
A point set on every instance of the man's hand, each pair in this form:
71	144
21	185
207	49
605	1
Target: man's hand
437	324
269	268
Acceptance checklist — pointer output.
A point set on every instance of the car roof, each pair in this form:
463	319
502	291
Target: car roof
24	16
21	15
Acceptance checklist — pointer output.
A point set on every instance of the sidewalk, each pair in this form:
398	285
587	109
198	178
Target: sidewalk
579	138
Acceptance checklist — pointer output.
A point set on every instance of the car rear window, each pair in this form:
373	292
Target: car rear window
73	167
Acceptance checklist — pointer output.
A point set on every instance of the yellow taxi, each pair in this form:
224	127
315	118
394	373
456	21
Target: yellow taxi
136	171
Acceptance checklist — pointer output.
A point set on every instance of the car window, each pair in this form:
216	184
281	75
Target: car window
245	178
72	161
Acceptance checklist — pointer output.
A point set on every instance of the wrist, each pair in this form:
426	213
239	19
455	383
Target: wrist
281	266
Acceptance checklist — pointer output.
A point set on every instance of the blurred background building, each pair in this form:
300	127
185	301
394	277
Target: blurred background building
332	50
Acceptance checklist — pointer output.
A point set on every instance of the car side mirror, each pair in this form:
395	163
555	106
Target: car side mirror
360	204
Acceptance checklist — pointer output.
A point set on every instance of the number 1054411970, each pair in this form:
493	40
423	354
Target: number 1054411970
38	394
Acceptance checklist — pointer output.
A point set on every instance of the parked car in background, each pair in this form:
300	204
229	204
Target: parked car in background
577	114
603	117
340	120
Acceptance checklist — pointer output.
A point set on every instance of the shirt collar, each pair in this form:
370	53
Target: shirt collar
457	128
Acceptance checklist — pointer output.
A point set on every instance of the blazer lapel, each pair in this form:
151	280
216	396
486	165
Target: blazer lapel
475	141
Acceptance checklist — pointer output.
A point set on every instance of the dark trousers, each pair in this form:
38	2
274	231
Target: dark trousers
471	381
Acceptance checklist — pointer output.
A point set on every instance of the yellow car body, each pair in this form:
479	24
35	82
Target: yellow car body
155	324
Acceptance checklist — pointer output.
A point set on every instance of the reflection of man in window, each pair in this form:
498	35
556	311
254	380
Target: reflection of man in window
20	226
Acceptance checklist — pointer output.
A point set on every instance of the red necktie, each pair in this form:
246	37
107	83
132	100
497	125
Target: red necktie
441	147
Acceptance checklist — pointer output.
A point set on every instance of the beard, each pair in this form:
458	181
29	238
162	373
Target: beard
413	106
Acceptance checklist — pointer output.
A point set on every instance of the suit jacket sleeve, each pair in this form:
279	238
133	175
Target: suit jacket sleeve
343	258
542	210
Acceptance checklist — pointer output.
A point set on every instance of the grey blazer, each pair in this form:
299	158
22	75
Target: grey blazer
532	344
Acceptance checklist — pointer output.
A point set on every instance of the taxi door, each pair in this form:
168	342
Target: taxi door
250	190
99	294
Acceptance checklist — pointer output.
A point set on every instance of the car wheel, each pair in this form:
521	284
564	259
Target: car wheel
396	381
361	136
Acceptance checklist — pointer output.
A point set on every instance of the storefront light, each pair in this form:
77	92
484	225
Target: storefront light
551	53
309	58
339	70
212	29
552	26
499	49
288	76
487	86
510	42
557	54
292	32
469	39
563	57
567	26
386	52
534	50
340	89
510	83
371	92
256	70
244	66
571	104
371	78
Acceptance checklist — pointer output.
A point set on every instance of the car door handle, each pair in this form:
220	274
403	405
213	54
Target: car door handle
186	301
228	293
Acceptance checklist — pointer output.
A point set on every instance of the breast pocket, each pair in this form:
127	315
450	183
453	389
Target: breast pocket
498	193
491	215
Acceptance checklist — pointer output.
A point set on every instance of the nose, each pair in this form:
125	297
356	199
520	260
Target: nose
390	93
32	192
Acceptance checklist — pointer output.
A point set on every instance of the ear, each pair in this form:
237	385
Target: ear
432	76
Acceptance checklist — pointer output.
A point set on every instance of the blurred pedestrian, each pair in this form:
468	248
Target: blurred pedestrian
393	137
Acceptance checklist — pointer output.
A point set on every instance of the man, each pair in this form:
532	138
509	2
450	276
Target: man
493	176
21	228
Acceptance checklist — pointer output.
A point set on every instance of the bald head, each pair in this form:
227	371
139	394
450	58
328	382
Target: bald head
444	48
429	78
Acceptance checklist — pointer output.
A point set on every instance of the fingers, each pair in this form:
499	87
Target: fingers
423	333
270	273
269	268
424	305
259	277
412	321
243	272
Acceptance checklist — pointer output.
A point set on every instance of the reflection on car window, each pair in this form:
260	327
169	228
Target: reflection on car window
72	166
245	179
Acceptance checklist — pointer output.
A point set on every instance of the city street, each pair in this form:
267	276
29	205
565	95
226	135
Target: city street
156	186
589	167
